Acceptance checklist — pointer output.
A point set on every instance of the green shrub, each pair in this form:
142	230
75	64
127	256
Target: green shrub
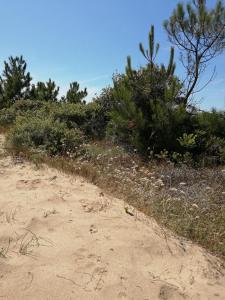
73	115
28	105
7	117
86	117
148	111
106	101
212	122
43	134
21	108
215	150
94	125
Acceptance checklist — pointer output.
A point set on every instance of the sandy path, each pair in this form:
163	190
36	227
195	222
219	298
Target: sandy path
62	238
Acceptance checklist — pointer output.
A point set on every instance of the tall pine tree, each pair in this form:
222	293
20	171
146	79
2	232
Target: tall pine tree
15	81
148	108
45	91
199	34
74	95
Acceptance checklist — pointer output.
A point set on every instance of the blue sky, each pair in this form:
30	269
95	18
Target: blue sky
88	40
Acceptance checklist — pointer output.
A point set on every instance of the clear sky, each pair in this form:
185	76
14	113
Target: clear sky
88	40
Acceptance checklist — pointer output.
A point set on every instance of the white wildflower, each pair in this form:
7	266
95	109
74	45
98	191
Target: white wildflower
159	182
208	188
195	205
182	193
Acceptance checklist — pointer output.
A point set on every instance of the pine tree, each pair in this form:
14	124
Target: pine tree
45	91
74	95
148	108
199	34
15	81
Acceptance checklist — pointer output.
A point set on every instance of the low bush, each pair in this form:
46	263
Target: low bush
44	134
88	118
21	108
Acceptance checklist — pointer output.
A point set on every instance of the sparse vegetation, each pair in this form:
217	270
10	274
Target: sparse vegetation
189	201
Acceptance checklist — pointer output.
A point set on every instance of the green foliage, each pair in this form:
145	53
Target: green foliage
210	136
126	118
86	117
106	99
44	91
199	34
43	134
149	113
22	108
211	148
163	155
148	110
94	124
14	82
176	157
74	95
212	122
73	115
7	117
152	51
106	102
89	118
187	140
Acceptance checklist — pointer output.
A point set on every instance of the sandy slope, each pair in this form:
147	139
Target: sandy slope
62	238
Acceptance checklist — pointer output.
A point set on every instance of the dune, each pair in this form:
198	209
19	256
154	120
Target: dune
64	238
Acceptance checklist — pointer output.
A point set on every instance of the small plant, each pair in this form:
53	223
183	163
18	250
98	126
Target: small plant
28	242
177	157
163	155
188	141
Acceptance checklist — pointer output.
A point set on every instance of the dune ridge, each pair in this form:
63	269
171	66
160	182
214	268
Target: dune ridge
64	238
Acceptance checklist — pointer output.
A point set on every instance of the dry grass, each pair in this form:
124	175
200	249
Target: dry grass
10	216
190	202
28	242
4	250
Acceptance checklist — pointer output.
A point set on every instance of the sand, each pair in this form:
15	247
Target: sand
64	238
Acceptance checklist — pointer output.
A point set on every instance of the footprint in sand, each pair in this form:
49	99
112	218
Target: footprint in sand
28	184
29	277
93	229
122	295
49	213
83	254
57	199
90	271
168	292
95	206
